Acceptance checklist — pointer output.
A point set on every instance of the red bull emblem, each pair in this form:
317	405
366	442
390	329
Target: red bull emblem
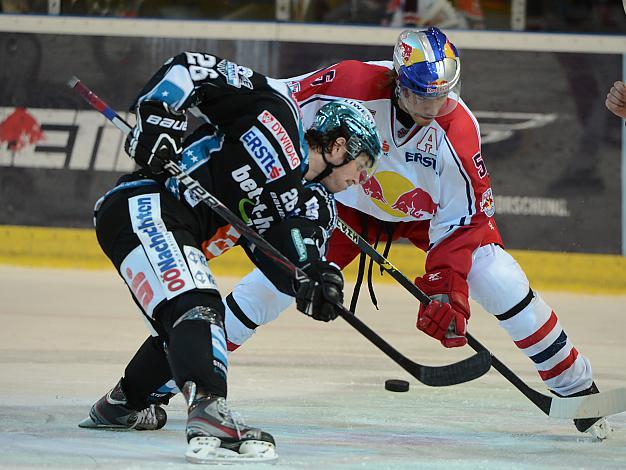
487	204
19	129
417	203
406	51
373	189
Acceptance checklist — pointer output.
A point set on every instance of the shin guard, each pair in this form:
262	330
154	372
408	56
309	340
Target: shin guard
197	350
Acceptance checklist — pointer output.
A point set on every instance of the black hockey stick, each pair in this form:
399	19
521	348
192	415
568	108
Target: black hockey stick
590	406
434	376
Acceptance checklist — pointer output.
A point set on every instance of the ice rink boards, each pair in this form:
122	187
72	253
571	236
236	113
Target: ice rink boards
318	388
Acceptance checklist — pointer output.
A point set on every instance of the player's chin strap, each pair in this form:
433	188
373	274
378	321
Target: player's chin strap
353	149
330	167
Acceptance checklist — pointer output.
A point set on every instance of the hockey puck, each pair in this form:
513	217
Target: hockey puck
396	385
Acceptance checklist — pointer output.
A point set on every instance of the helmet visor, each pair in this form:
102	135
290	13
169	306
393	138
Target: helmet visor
430	106
366	166
366	162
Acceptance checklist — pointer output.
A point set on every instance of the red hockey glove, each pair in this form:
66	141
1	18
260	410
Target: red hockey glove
445	318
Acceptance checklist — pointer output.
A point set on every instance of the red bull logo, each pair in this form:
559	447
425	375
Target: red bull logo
19	130
373	189
417	203
408	200
406	52
487	204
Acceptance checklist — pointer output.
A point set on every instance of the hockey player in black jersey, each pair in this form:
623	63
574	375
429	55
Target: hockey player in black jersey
250	151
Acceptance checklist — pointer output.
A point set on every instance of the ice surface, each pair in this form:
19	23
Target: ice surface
318	388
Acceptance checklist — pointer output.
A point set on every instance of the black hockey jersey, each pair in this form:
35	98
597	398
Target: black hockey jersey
249	148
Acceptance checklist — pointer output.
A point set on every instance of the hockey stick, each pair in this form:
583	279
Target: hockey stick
589	406
434	376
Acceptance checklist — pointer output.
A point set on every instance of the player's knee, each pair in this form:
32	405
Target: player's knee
194	305
496	281
201	313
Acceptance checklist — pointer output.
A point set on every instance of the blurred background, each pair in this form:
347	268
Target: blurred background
535	74
599	16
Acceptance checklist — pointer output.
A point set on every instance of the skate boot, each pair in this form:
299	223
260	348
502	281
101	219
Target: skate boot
597	427
215	434
112	412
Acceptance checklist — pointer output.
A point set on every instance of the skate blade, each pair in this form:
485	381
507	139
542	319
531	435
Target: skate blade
207	450
600	430
88	423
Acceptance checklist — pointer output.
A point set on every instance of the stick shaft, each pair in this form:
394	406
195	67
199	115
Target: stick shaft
542	401
435	376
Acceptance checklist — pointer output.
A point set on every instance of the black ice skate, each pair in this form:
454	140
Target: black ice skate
597	427
217	435
112	412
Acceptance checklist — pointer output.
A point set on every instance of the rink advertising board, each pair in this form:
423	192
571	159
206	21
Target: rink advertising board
551	148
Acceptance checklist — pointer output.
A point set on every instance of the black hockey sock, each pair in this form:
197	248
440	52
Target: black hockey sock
145	373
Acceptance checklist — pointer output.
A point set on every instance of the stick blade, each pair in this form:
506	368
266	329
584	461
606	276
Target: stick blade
590	406
463	371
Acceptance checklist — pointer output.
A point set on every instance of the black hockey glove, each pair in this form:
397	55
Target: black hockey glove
157	137
318	296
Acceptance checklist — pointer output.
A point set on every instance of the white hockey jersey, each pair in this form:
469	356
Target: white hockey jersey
435	172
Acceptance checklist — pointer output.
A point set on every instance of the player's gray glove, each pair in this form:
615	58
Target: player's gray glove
319	295
157	137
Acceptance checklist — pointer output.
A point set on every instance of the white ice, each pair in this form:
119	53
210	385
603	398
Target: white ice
65	337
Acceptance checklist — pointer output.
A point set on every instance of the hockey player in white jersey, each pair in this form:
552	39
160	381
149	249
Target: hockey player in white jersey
432	188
